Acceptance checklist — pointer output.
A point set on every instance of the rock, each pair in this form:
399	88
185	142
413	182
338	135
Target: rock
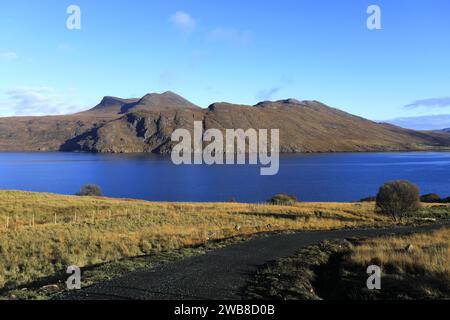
409	248
50	287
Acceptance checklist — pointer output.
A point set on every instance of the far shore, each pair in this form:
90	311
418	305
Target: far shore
424	150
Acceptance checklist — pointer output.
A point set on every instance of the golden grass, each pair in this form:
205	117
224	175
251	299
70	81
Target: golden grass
430	254
41	233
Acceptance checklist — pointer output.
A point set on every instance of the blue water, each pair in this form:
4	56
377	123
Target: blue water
317	177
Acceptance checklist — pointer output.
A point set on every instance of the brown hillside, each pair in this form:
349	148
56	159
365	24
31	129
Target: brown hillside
146	124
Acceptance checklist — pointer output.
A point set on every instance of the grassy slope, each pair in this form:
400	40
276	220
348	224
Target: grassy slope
337	270
89	231
292	278
421	273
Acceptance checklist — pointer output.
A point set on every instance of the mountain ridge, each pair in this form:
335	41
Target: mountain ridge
118	125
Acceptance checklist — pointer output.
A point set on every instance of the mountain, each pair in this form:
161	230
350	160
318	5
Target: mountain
311	126
119	125
112	104
166	101
153	101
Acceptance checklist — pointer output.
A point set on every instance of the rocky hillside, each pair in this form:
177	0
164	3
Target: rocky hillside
146	124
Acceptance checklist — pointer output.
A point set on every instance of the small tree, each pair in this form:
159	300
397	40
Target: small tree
90	190
283	199
398	199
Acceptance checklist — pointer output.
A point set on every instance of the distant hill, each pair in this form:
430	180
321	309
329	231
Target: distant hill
119	125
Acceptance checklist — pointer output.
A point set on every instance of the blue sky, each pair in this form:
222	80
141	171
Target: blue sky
227	50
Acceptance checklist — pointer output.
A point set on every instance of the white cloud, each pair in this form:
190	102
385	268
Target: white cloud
267	94
38	101
433	102
183	22
231	36
8	55
433	122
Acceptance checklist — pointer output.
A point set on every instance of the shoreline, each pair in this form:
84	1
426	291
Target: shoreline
428	150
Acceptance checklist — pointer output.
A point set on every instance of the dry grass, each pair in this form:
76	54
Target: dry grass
430	254
336	270
422	272
41	234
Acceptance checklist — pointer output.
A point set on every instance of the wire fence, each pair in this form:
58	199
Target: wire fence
34	218
15	222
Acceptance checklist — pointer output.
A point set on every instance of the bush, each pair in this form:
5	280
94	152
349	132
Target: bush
445	200
283	199
90	190
430	198
368	199
398	199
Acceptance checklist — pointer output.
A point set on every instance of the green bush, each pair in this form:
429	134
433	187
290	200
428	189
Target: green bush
90	190
283	199
431	198
398	199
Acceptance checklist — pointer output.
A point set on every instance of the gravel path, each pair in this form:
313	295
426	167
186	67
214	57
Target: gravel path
219	274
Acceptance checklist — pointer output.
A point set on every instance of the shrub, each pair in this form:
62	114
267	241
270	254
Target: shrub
445	200
283	199
398	199
430	198
368	199
90	190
